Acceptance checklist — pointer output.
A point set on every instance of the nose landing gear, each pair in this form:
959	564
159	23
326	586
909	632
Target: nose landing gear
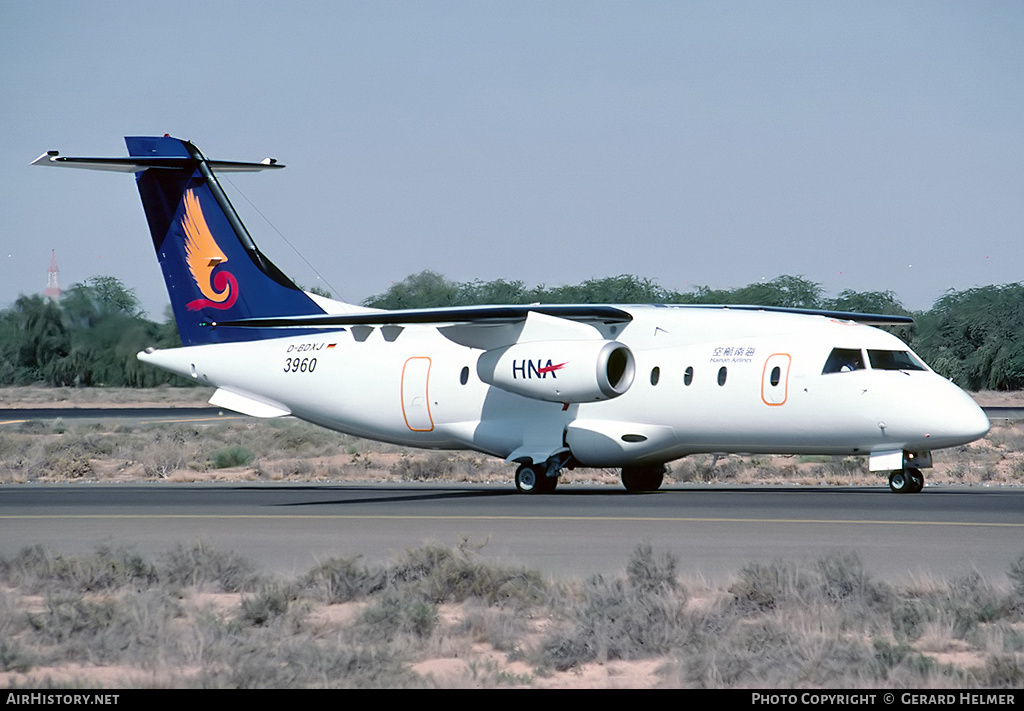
906	481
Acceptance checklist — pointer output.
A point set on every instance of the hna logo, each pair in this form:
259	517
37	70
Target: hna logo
203	255
528	369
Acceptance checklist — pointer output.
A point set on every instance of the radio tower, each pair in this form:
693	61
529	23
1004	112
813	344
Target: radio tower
52	290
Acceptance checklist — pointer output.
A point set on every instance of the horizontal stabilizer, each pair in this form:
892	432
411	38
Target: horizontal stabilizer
137	164
247	404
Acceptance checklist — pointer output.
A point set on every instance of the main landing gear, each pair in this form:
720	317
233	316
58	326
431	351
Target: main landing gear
641	479
543	478
906	481
534	479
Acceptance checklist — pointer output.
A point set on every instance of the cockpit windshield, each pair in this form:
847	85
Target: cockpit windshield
847	360
843	360
894	360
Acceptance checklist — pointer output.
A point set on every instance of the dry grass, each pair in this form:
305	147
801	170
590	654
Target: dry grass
437	616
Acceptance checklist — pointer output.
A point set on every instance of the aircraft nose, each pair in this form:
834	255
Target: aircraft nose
960	421
975	422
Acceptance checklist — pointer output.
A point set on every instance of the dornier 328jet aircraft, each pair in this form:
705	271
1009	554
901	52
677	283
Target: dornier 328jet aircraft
543	386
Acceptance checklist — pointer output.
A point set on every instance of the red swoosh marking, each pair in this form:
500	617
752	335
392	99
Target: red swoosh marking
552	368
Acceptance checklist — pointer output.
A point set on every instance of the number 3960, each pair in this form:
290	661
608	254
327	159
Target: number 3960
299	365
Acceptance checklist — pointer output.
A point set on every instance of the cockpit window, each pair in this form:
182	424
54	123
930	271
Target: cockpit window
894	360
843	360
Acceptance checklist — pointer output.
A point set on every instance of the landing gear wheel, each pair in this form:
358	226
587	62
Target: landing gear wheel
916	481
640	479
546	484
526	479
899	482
531	479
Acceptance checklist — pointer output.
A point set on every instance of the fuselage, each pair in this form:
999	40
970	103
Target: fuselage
706	380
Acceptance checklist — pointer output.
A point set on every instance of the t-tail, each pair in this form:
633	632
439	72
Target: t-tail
213	269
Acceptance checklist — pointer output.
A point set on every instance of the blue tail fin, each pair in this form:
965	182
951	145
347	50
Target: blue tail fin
214	271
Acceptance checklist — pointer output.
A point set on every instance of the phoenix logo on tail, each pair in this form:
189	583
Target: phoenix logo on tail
203	255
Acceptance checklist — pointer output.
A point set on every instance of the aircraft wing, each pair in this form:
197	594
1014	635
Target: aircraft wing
867	319
508	314
489	327
484	315
482	327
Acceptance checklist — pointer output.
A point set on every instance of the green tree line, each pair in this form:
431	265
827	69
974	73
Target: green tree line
975	337
91	335
87	338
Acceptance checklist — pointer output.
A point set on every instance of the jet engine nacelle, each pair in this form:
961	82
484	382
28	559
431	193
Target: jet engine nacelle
560	371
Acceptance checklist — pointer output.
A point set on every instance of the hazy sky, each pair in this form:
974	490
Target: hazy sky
862	145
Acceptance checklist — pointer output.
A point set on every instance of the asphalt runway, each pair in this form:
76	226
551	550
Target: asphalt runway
133	415
579	531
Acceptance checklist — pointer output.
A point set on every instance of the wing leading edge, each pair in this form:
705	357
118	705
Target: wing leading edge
498	315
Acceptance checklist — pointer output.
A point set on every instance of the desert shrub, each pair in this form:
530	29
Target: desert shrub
305	662
639	617
969	601
908	619
344	579
268	604
1016	575
14	657
104	630
501	628
165	450
648	574
1002	671
202	564
434	466
398	611
37	568
293	438
769	652
843	580
610	620
840	467
766	587
444	574
237	456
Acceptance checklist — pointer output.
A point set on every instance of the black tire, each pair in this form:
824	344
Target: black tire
527	479
899	482
641	479
531	479
546	484
916	481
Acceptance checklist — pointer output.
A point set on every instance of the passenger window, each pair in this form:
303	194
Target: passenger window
894	360
843	360
688	375
655	375
776	376
464	375
721	375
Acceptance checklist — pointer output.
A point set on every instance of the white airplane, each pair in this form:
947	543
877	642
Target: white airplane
542	386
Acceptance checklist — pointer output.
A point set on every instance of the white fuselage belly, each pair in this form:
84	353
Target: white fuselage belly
413	389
